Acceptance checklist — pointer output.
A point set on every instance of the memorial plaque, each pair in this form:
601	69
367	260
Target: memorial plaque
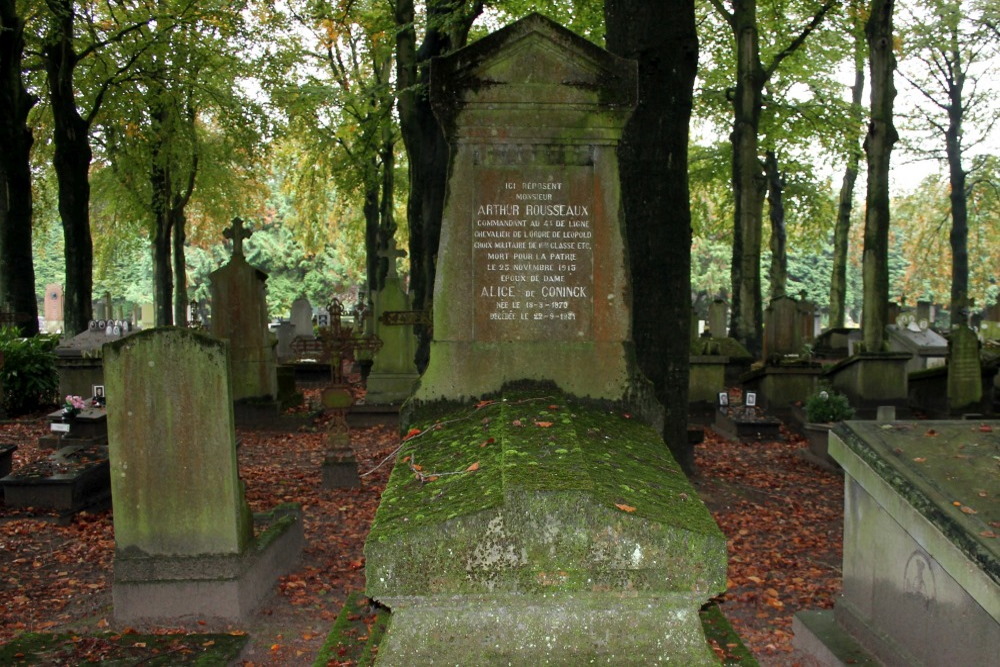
533	254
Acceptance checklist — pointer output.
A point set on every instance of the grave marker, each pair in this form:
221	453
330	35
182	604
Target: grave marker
184	534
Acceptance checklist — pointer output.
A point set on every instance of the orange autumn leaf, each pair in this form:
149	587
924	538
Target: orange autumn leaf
483	404
986	428
931	433
414	466
543	424
919	459
412	433
968	510
473	468
624	508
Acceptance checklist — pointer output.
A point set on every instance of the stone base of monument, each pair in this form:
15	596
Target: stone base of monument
389	388
778	387
340	469
871	380
88	427
223	588
70	480
535	528
921	559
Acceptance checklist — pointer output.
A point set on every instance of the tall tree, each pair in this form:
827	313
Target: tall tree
845	202
878	145
747	173
446	28
662	37
17	273
63	52
946	49
776	213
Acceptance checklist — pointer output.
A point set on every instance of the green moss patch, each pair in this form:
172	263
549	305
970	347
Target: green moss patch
114	650
356	633
723	640
534	491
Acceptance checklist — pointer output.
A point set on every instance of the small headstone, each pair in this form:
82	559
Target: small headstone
394	372
181	518
301	317
239	315
718	318
965	383
782	328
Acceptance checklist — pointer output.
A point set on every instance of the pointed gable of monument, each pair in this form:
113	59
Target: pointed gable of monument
533	61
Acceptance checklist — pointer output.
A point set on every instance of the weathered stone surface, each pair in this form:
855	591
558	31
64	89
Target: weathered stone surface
532	280
563	515
921	560
964	371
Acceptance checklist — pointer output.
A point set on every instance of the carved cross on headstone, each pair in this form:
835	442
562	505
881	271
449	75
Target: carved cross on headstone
391	253
237	233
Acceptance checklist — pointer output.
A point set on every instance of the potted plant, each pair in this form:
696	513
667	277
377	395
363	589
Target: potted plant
823	409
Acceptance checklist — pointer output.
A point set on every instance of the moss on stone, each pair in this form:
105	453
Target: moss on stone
540	492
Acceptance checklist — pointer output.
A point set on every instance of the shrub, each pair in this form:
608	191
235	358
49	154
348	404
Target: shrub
828	406
28	377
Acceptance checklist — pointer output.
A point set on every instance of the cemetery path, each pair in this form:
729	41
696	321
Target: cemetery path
782	518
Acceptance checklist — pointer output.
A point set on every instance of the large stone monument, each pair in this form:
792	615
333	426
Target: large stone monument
239	316
532	281
534	516
185	547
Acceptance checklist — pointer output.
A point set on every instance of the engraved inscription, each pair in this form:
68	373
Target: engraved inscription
532	234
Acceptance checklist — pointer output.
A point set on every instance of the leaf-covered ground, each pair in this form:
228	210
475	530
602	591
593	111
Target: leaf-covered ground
782	517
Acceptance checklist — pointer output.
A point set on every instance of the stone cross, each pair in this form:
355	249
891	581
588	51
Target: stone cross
237	233
391	253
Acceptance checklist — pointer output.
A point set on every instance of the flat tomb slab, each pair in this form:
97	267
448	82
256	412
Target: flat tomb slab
71	479
921	546
536	521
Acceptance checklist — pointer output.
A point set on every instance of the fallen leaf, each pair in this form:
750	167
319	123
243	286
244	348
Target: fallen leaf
473	468
931	433
920	459
968	510
624	508
543	424
989	534
412	433
986	428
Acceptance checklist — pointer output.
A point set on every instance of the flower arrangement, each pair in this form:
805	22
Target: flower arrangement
827	406
73	405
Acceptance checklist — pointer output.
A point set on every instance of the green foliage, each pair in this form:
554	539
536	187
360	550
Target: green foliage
826	406
28	376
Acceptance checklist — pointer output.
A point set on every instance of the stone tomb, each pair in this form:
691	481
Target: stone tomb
542	525
532	261
69	480
921	552
186	547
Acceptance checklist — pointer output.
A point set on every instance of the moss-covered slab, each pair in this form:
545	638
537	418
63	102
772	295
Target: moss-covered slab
538	507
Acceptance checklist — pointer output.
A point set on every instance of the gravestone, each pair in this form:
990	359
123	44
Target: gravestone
534	515
53	308
239	316
185	544
394	372
285	331
301	317
782	329
927	347
718	318
532	280
965	386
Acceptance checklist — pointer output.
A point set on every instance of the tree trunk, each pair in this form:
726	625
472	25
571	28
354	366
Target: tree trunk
447	29
654	186
779	256
370	210
748	182
842	227
180	266
959	237
17	273
72	156
387	224
878	147
163	287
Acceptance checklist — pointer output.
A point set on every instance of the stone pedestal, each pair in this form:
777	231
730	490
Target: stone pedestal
872	379
779	386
